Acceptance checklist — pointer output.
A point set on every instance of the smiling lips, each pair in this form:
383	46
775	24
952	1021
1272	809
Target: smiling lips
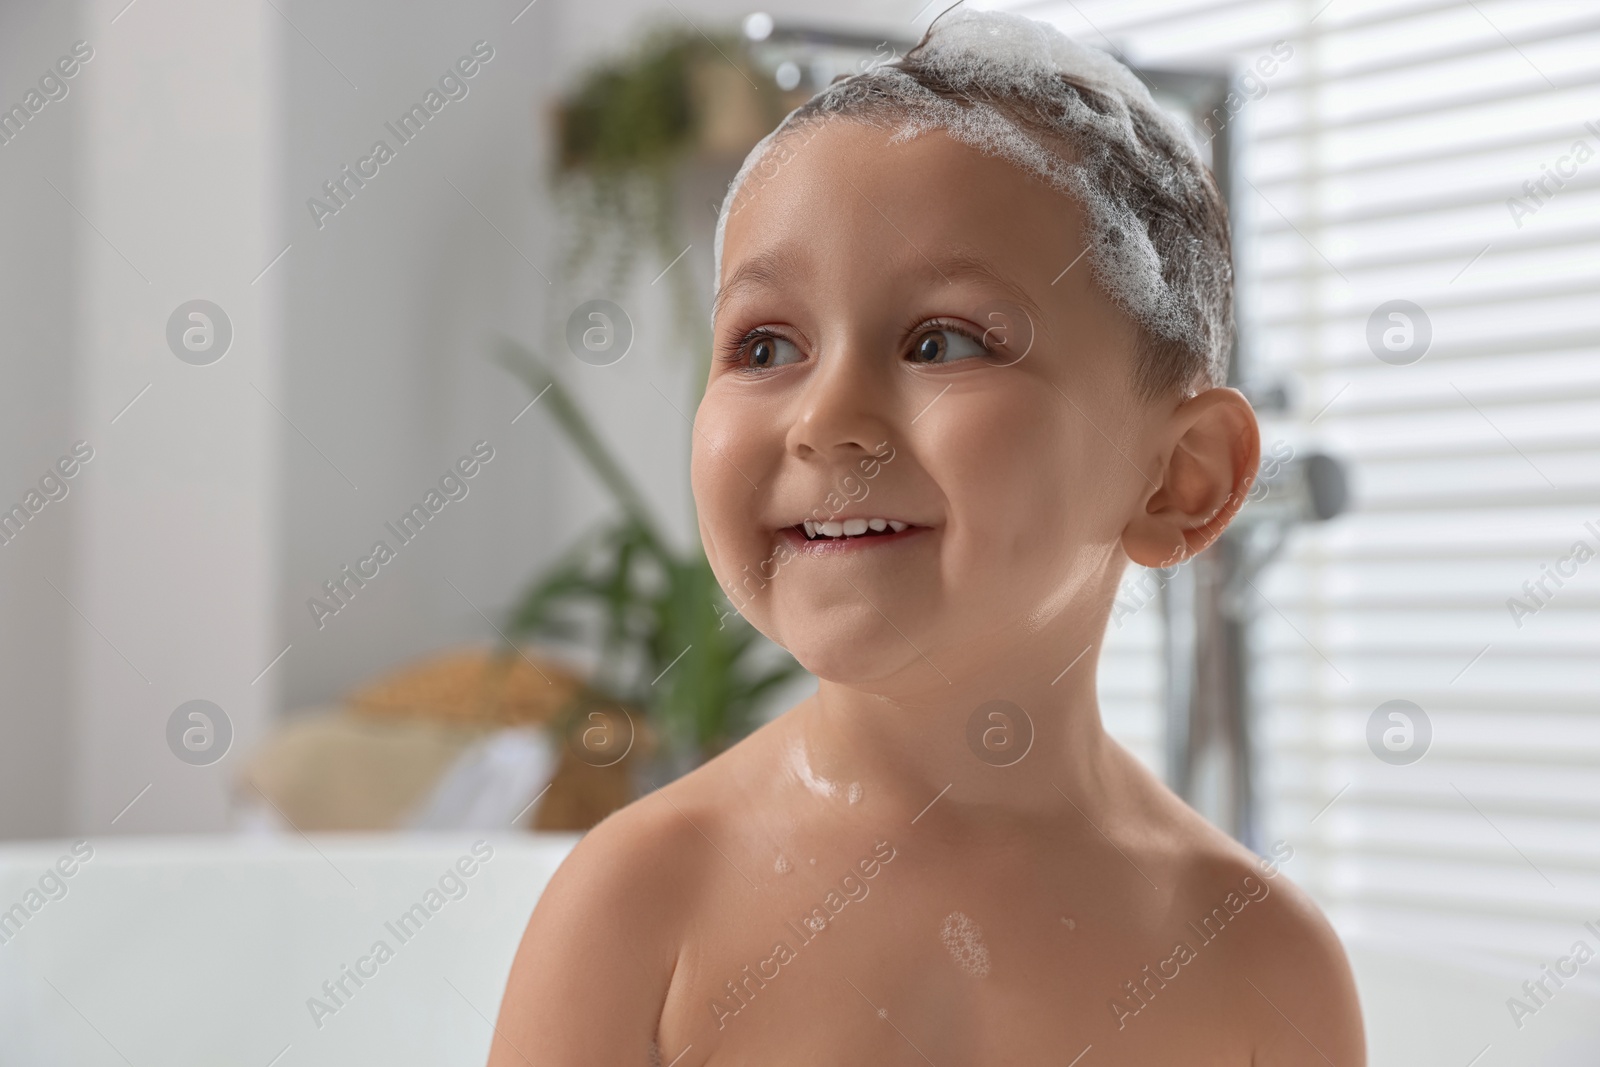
852	527
844	534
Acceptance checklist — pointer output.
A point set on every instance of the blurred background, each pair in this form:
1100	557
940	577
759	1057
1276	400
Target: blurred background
283	283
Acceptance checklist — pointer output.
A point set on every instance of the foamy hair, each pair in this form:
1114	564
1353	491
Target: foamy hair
1008	86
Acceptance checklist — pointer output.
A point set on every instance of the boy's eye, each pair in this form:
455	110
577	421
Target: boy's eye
772	351
945	346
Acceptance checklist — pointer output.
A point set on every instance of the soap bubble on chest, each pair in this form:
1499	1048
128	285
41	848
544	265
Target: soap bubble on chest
964	939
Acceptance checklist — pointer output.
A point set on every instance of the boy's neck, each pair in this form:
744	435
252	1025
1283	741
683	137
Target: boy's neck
1000	753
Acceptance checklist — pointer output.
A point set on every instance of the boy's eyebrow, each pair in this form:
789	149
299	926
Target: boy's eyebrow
762	269
768	268
966	262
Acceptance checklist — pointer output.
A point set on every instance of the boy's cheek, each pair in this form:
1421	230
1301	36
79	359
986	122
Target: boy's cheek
727	456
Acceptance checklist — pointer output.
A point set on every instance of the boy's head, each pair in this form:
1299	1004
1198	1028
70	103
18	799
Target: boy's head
1157	230
986	291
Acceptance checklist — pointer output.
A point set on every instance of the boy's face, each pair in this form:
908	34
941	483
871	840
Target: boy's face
869	393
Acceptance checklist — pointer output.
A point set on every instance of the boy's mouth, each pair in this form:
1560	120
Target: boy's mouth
812	536
840	528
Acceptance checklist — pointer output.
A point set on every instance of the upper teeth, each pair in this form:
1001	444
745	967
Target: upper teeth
852	527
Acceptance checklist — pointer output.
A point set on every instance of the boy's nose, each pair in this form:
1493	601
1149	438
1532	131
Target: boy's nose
846	404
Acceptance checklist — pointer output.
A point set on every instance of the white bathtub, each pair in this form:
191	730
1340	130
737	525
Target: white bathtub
205	951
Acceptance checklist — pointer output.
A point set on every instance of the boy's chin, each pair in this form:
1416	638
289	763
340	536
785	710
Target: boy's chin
846	657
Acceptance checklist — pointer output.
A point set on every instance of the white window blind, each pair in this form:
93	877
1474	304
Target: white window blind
1445	153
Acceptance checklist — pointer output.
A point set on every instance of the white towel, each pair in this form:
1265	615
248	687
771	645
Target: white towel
492	784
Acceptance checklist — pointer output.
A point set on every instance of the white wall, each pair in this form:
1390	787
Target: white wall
392	305
38	333
176	568
152	582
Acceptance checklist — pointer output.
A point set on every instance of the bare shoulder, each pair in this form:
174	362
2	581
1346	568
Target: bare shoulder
1304	979
1283	965
610	930
1275	960
590	975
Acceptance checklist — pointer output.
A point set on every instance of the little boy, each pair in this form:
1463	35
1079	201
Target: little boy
973	314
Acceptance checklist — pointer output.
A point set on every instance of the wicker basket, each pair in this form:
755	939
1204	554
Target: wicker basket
476	687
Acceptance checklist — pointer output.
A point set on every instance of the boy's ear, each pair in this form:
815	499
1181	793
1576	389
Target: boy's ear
1211	450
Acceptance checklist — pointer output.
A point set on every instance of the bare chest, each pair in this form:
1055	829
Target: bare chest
888	958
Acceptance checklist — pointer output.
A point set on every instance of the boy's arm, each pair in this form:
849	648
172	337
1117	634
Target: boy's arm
591	974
